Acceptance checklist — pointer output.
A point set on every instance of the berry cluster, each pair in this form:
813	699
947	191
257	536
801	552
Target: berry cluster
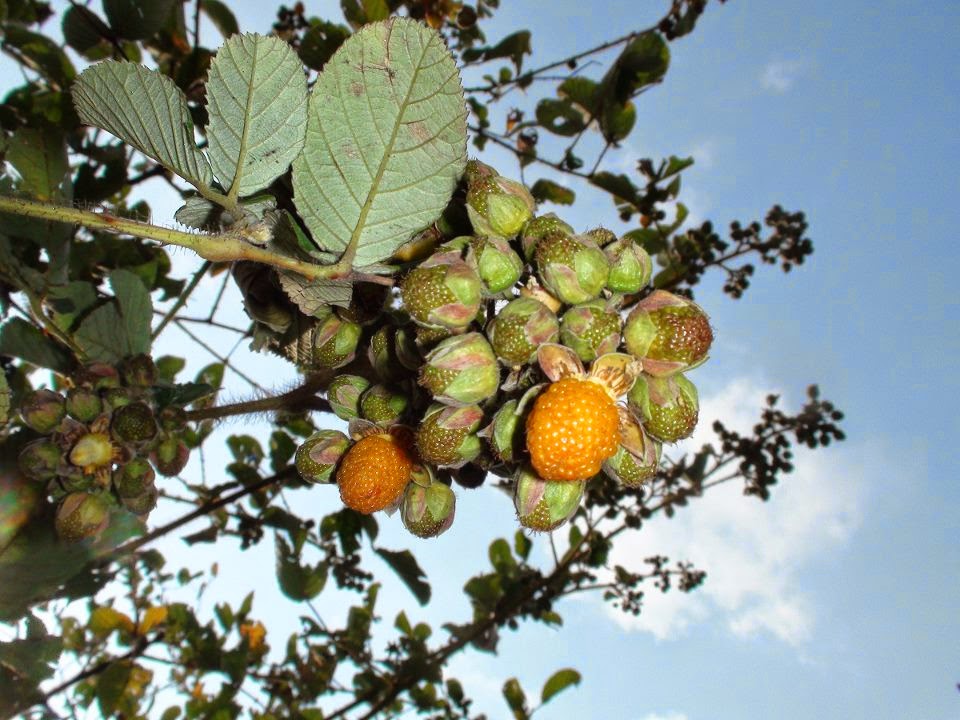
523	349
100	443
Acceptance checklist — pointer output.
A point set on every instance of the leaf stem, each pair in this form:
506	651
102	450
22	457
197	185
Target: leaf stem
221	247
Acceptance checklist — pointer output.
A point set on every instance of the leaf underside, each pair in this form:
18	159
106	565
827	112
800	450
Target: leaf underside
257	100
144	109
386	141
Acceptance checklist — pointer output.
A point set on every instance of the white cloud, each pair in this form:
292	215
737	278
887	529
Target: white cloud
705	153
780	75
752	552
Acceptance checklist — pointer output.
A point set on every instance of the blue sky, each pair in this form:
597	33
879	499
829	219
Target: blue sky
840	597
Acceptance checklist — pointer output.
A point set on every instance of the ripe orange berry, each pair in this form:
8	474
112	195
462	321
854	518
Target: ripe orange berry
374	473
572	429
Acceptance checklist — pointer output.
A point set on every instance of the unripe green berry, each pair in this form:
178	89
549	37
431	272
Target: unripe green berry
591	330
318	455
84	404
40	459
544	505
428	511
42	410
522	326
344	393
133	423
81	516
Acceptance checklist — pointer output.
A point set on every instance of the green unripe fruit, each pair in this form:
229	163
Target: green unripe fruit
544	505
318	455
139	371
335	342
133	423
81	516
521	327
461	370
39	459
496	206
98	376
443	292
573	269
447	436
505	433
591	330
117	397
170	455
93	450
539	228
668	333
134	478
428	511
42	410
499	266
382	406
173	419
633	471
630	266
142	504
668	407
343	394
84	404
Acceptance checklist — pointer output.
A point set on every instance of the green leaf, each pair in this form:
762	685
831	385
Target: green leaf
146	110
580	91
20	339
522	545
559	117
515	697
620	186
70	301
257	100
40	156
320	42
221	16
135	309
136	20
405	565
311	296
111	684
361	12
675	165
168	366
296	581
616	120
386	141
41	53
643	62
85	32
513	46
559	681
101	337
500	556
548	191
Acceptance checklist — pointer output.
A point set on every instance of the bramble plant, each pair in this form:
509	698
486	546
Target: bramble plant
466	334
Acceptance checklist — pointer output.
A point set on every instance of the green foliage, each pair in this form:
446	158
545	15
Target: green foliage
386	141
257	102
367	167
145	109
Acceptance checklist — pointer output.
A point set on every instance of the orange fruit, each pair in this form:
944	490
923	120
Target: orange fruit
572	429
374	473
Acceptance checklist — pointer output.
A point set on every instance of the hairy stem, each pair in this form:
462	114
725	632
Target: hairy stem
301	398
220	247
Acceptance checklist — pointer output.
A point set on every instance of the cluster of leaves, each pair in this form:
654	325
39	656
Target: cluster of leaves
326	234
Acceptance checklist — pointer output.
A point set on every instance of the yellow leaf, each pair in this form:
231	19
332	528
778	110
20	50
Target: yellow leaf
151	618
104	620
254	633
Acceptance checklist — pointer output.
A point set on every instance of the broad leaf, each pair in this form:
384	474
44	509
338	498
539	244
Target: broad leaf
313	296
144	109
548	191
320	42
136	20
19	338
85	32
560	680
40	156
42	52
298	582
221	16
405	565
135	309
257	100
386	141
